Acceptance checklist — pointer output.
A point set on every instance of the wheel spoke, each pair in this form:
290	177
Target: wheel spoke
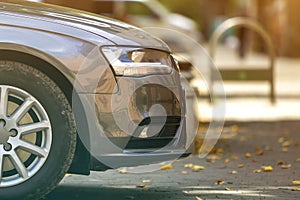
18	164
22	110
32	148
3	101
32	128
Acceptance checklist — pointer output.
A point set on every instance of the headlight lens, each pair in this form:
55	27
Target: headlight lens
128	61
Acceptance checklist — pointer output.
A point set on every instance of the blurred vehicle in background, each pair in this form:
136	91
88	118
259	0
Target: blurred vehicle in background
151	13
143	13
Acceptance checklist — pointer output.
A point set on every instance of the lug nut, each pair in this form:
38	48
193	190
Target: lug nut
7	147
2	122
13	132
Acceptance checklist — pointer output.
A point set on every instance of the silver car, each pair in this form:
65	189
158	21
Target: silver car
80	92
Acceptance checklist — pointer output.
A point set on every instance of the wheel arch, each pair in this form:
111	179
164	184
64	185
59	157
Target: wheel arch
55	70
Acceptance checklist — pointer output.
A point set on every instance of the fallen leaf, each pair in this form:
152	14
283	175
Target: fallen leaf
296	182
234	157
257	171
281	140
233	172
68	175
267	168
280	162
295	189
220	182
212	158
248	155
122	171
197	168
146	181
235	128
198	198
142	186
285	149
228	189
240	165
190	165
213	151
286	143
259	151
227	161
184	172
298	160
220	151
286	166
254	160
166	167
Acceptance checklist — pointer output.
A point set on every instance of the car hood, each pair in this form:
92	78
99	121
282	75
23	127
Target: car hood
115	31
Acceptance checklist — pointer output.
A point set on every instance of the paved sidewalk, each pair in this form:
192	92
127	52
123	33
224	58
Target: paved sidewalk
227	173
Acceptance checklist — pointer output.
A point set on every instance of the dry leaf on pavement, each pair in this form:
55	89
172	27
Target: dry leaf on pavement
285	149
280	162
240	165
257	171
281	140
248	155
198	198
286	166
197	168
295	189
234	157
122	171
286	143
190	165
219	182
259	151
184	172
219	150
166	167
212	158
296	182
146	181
233	172
228	189
267	168
142	186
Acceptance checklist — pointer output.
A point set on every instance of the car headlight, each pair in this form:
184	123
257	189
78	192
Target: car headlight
130	61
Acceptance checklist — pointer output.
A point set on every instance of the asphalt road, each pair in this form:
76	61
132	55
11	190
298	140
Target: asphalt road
229	173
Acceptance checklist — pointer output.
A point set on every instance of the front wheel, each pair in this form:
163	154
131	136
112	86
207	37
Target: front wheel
37	132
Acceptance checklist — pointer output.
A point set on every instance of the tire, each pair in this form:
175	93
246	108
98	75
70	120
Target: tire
39	114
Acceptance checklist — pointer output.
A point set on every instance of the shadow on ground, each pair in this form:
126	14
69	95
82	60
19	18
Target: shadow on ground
69	192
